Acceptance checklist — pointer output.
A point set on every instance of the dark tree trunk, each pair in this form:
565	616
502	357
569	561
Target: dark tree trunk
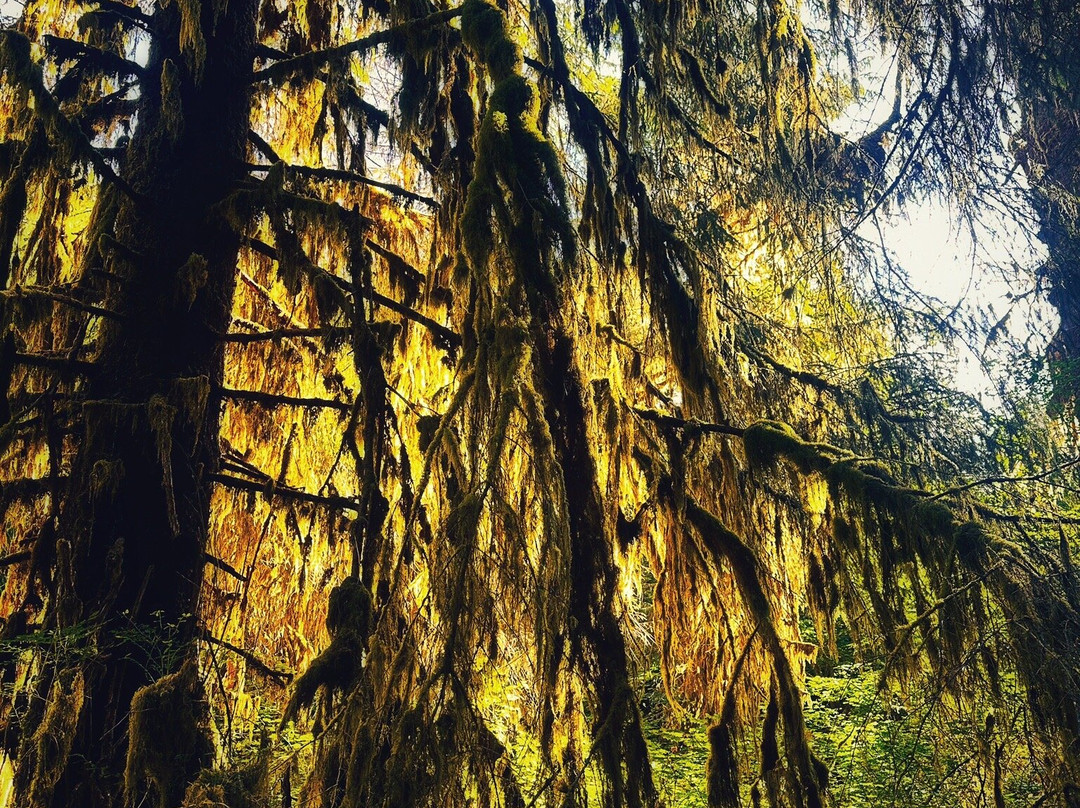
128	548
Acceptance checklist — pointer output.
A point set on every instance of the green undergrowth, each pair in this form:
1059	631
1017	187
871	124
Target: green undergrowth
882	749
895	747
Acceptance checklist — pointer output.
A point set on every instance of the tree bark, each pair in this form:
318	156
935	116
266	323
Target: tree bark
127	551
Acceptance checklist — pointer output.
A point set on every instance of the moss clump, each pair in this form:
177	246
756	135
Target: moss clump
244	787
484	32
168	739
192	277
349	609
427	427
931	518
15	57
338	667
517	178
722	770
972	544
172	115
54	736
105	479
768	441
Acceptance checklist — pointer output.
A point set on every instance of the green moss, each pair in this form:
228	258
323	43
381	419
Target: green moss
931	517
484	31
972	544
349	608
769	441
348	616
722	771
517	191
172	115
168	737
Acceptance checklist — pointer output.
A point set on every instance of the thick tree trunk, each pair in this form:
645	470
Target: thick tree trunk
127	553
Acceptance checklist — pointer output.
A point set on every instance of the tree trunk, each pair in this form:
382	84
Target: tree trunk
127	551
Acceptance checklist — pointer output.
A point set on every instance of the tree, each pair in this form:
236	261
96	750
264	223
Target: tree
236	357
122	355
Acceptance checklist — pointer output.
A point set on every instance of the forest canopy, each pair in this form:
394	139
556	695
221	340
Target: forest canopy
412	403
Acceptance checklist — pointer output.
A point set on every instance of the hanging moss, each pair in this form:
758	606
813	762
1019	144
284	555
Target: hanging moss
244	787
162	417
722	770
53	738
511	154
336	669
770	751
191	278
192	42
172	113
484	31
933	518
105	478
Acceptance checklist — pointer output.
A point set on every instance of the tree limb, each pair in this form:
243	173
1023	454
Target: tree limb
271	490
308	62
275	400
339	175
283	677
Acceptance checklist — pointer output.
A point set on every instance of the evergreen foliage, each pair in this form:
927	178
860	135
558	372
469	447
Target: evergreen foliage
400	400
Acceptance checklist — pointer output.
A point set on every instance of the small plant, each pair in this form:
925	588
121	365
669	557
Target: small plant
157	646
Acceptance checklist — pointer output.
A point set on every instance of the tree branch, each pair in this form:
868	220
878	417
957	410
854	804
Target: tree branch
214	561
275	400
283	677
283	333
67	300
451	339
15	48
995	480
339	175
690	427
270	490
308	62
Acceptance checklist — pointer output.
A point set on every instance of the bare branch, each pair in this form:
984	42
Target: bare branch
283	677
339	175
275	400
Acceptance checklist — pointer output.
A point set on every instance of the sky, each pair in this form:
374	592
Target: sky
981	270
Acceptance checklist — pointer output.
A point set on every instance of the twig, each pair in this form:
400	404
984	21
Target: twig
997	479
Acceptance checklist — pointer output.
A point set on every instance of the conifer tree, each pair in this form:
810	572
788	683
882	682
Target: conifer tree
371	358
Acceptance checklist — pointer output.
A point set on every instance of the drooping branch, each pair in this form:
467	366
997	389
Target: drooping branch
72	49
285	492
307	63
278	400
16	62
445	335
244	338
281	677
